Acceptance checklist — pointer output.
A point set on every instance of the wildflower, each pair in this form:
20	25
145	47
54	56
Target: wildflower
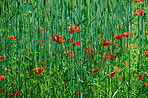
2	58
64	82
57	38
12	95
146	84
146	51
146	32
141	12
73	42
111	42
110	56
126	63
118	36
78	93
126	34
19	71
43	65
139	76
69	53
102	40
137	1
38	70
2	77
11	37
112	74
73	29
93	90
41	40
95	70
116	68
89	50
121	76
105	44
16	92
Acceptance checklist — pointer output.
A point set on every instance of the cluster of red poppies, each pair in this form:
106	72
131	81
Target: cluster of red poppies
2	58
13	94
138	1
146	52
11	37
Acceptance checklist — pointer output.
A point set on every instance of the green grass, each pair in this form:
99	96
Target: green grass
34	20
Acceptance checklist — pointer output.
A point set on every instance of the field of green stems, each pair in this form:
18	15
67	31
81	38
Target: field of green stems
74	48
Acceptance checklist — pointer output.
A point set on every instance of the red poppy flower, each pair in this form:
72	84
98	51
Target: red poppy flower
57	38
146	51
69	53
118	36
121	76
73	29
89	49
102	40
41	40
16	92
64	82
78	93
112	74
2	77
42	62
141	12
19	71
93	90
14	37
105	44
126	34
12	95
10	37
139	76
43	65
38	70
73	42
146	32
110	56
95	70
111	42
146	84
